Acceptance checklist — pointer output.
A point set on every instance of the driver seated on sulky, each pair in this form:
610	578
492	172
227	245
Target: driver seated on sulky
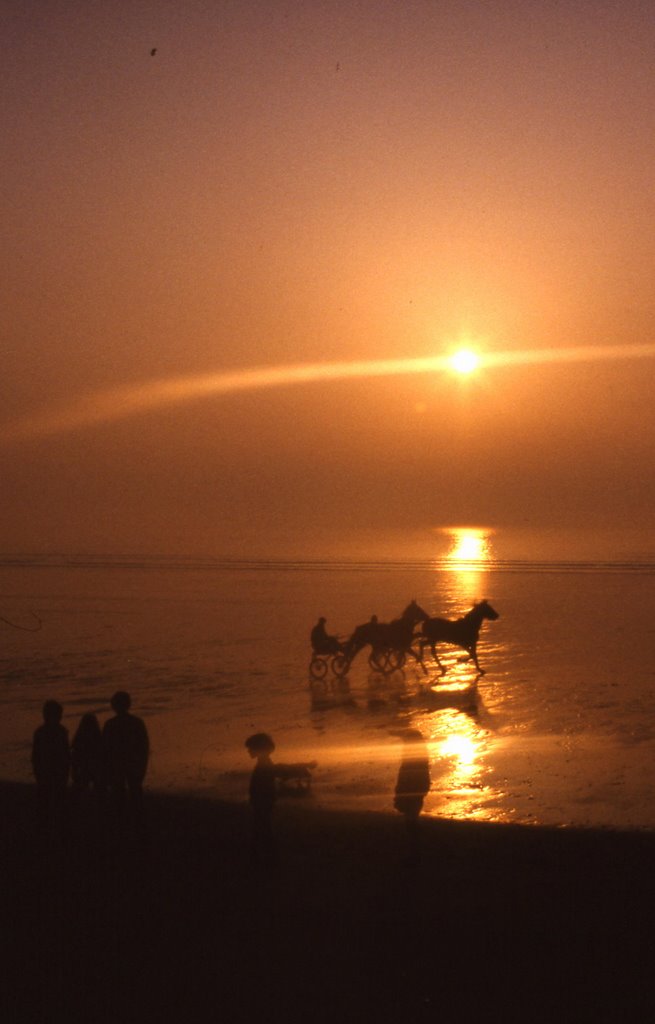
322	642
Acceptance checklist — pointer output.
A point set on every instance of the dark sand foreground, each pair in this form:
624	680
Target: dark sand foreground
171	923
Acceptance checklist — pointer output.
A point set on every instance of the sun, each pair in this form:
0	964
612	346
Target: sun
464	361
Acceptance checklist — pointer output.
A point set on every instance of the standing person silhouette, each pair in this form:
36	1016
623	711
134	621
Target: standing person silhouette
51	765
87	760
126	749
412	785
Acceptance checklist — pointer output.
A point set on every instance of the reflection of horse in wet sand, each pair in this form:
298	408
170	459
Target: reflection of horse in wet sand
391	642
462	633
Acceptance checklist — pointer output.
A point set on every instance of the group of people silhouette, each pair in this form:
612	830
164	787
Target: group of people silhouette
109	762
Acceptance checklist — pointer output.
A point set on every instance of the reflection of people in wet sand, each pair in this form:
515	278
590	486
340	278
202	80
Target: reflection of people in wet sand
51	763
126	749
321	641
413	783
87	760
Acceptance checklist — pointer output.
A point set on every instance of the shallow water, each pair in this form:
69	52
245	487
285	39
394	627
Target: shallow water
560	729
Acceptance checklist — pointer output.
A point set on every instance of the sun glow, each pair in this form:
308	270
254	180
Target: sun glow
464	361
469	545
129	400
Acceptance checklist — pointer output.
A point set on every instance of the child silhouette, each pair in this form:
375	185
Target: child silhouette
262	794
264	790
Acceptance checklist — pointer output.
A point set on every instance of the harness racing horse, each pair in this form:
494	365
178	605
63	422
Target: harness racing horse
390	642
462	632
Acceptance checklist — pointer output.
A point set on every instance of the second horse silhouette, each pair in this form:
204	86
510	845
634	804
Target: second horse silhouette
391	642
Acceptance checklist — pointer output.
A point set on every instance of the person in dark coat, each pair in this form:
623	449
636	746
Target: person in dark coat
126	749
51	764
87	761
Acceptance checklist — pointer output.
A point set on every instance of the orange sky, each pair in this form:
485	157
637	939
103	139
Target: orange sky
286	183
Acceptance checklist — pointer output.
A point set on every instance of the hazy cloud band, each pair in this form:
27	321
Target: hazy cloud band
118	403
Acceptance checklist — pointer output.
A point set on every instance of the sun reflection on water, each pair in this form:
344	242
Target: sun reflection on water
458	740
462	785
447	707
458	745
468	558
461	747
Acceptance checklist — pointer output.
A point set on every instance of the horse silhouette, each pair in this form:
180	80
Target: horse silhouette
390	642
462	633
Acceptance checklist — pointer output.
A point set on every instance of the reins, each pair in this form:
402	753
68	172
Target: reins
25	629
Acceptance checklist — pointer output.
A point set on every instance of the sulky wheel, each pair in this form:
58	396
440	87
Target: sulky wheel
386	661
396	660
318	667
340	665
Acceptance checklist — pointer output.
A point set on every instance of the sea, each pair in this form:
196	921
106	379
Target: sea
559	730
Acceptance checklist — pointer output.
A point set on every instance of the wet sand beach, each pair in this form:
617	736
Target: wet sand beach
170	922
513	911
560	733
